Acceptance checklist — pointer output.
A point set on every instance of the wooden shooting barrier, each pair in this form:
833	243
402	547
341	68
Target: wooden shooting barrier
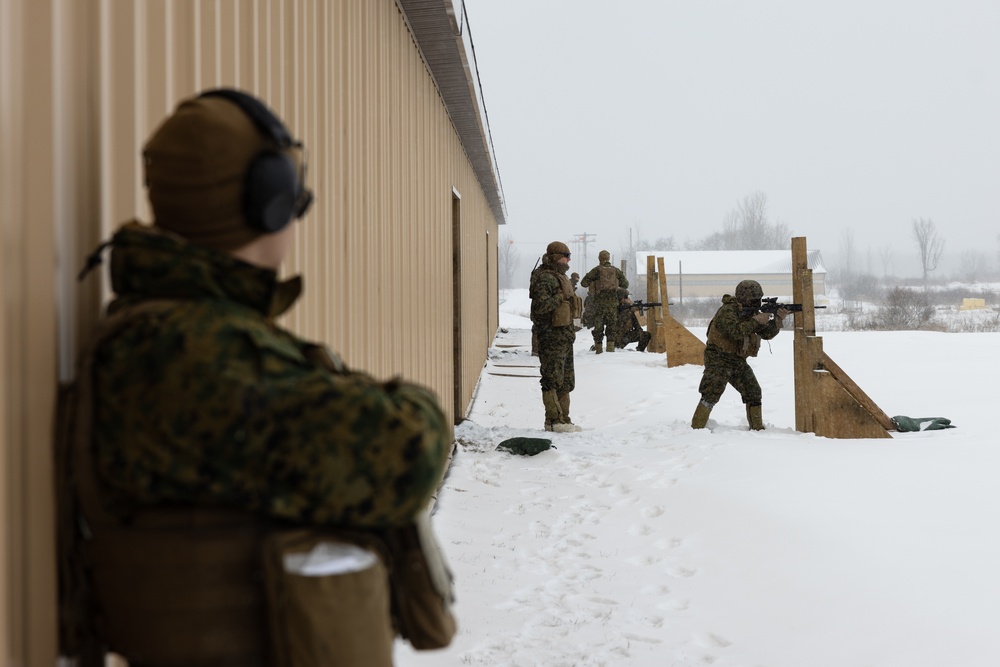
827	401
669	335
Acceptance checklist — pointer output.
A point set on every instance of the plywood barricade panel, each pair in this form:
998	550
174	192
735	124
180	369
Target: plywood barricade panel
827	401
682	346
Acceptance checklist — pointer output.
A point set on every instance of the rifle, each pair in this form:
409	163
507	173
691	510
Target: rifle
769	304
638	303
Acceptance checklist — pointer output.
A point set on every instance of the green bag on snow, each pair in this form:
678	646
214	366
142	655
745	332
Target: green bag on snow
907	424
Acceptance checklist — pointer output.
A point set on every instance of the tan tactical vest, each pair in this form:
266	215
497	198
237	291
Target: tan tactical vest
749	346
570	308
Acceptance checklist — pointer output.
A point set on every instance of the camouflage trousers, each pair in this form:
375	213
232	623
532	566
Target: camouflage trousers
555	358
605	319
722	368
587	318
633	335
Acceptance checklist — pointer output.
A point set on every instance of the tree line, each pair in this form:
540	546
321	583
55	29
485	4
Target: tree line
748	227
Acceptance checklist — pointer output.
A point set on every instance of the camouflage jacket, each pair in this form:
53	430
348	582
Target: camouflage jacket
553	301
207	401
732	330
593	278
627	321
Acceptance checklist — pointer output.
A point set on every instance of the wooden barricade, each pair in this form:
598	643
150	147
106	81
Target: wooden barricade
827	401
653	320
682	346
668	335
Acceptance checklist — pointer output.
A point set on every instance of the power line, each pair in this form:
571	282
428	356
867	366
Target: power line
585	239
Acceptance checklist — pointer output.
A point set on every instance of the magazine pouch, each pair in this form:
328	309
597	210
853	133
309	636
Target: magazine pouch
328	598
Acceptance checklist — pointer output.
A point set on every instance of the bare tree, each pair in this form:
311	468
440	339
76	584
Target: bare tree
930	244
746	227
975	265
885	254
847	254
509	258
662	243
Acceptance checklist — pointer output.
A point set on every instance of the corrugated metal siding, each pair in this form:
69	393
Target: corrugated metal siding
84	83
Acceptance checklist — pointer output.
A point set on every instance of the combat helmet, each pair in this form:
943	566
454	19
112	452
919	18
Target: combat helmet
604	256
749	293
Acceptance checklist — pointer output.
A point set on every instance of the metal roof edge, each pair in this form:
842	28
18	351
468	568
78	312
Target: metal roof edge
444	40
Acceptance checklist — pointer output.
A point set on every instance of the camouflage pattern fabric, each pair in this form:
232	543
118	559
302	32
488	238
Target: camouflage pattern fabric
605	318
722	368
555	357
555	343
587	319
629	330
733	325
605	304
209	402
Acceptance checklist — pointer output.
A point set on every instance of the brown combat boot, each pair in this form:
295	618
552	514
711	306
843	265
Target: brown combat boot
701	413
598	346
755	418
564	407
611	345
553	413
554	419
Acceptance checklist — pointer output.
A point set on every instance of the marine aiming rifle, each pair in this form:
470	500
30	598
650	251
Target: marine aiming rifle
638	303
769	304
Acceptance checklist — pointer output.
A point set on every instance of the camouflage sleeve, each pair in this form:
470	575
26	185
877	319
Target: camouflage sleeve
589	278
343	449
771	330
622	280
545	295
223	413
728	322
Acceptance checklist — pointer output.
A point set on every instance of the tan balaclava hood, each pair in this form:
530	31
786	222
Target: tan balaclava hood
196	164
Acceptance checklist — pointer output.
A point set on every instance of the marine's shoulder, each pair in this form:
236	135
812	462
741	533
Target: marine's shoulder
213	328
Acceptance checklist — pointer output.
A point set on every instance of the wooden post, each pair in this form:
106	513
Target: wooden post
652	287
827	401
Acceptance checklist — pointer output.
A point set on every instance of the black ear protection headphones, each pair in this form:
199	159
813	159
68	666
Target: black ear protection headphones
275	191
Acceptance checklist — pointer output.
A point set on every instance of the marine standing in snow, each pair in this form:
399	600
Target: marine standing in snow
733	335
608	280
554	305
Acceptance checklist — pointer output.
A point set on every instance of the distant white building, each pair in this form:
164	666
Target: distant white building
712	273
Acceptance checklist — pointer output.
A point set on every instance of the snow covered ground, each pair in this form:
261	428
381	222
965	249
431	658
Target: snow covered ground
642	542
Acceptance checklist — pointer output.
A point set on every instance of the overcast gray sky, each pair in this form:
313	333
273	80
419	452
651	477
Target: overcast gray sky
853	117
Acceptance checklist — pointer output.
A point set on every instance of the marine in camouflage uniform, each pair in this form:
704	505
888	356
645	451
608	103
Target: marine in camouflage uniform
607	280
587	318
210	402
553	307
629	330
735	333
202	401
534	329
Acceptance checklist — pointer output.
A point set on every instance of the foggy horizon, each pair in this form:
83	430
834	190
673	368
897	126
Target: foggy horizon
659	118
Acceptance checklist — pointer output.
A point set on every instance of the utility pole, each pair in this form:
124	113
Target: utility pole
585	238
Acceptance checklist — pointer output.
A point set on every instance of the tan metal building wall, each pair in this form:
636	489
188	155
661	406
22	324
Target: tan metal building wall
398	252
